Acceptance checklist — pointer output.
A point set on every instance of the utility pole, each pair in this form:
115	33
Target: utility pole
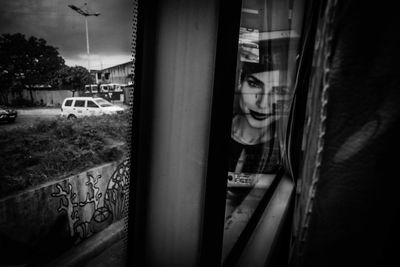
86	14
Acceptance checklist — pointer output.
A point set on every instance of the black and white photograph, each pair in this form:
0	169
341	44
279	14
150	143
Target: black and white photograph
245	133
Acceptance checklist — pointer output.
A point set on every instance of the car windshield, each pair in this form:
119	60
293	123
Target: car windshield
103	103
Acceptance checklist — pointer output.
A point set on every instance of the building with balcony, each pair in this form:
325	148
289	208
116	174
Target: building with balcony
119	74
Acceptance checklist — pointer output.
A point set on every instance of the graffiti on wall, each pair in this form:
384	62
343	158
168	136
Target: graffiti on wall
96	203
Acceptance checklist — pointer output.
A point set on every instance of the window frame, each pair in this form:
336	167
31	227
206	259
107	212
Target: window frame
214	193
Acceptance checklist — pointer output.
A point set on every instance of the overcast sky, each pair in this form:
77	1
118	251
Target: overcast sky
109	34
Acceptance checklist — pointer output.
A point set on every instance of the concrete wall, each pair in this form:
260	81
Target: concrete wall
50	97
45	221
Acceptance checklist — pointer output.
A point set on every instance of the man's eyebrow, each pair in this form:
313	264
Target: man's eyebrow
255	80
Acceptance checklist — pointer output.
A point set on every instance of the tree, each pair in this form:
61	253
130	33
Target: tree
26	63
72	78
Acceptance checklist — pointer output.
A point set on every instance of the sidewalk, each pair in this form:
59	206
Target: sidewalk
114	256
105	248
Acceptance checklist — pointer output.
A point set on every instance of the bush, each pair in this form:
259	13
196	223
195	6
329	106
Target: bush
54	149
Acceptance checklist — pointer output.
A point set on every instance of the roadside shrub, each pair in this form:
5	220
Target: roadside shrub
64	130
53	149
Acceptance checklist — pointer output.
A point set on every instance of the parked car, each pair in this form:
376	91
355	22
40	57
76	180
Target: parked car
7	114
74	107
91	88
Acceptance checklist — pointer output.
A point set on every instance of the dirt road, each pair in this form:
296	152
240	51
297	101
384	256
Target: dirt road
27	117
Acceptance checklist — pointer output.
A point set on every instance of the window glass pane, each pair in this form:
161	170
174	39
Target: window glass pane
103	103
268	46
91	104
68	103
64	168
79	103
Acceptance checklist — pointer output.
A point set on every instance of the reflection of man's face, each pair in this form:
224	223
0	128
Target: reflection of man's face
257	97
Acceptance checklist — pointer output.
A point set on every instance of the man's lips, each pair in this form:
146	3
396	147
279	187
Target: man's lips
259	116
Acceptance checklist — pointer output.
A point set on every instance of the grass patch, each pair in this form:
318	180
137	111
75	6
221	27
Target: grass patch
54	149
